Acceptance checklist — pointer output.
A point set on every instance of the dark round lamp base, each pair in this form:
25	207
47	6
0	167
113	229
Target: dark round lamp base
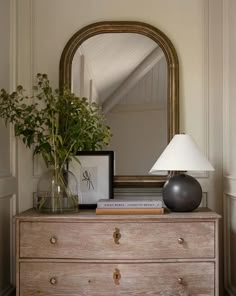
182	193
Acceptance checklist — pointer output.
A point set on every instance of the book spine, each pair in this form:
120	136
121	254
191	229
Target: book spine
134	211
129	205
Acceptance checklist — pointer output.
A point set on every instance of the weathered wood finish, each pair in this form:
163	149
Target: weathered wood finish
135	279
95	240
83	258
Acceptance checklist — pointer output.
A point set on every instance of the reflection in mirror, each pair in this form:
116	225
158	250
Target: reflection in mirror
120	65
126	74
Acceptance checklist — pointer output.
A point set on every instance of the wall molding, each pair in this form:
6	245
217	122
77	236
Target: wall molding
230	186
13	44
205	90
205	77
226	114
8	186
25	70
230	177
24	45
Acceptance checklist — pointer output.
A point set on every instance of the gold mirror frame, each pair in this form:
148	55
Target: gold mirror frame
173	80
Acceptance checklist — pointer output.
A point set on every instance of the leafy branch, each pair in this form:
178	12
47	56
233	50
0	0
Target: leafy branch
55	125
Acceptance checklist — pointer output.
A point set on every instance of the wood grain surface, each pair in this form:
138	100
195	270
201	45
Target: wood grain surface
137	240
84	254
135	279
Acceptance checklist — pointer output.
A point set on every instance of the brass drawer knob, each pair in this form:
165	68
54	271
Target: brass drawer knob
180	281
53	281
180	240
116	236
53	240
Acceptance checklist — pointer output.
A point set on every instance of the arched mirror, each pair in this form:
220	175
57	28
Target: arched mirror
131	70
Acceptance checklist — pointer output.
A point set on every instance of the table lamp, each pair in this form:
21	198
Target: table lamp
182	192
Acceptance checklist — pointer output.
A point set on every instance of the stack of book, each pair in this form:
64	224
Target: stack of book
129	207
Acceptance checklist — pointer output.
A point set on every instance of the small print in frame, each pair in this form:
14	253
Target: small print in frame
94	173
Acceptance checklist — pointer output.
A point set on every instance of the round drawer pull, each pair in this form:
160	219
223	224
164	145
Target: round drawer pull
53	240
53	281
180	240
180	281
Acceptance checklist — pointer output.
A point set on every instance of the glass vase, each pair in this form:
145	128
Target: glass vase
57	191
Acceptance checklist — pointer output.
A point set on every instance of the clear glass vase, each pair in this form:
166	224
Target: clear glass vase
57	191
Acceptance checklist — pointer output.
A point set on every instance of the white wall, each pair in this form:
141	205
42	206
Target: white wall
132	130
187	23
5	45
194	27
7	168
138	123
230	144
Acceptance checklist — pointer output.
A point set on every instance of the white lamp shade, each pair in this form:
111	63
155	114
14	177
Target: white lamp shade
182	154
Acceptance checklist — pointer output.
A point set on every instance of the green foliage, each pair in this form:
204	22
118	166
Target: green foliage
55	125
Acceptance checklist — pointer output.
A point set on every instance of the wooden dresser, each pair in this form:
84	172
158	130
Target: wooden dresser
174	254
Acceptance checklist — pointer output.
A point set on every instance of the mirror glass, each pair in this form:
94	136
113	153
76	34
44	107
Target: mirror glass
126	74
131	70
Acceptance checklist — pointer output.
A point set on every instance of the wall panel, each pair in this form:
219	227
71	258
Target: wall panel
229	107
41	52
8	182
194	27
5	162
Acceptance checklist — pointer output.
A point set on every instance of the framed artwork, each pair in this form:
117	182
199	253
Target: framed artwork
94	174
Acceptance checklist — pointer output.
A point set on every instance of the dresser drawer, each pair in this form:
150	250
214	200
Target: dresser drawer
117	279
117	240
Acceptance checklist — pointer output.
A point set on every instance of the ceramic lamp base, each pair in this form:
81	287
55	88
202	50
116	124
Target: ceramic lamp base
182	193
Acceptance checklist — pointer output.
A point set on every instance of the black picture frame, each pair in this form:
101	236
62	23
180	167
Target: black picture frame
94	174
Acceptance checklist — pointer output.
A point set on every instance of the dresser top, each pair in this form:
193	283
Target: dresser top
90	215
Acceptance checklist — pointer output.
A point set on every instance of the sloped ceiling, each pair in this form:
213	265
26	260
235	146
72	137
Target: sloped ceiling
111	58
